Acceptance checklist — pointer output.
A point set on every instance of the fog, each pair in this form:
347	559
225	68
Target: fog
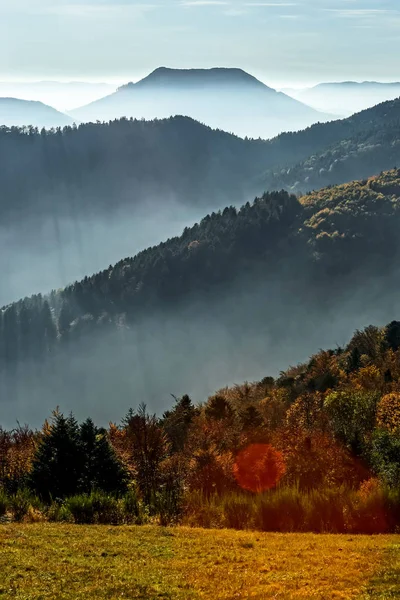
246	331
227	99
38	255
64	96
347	98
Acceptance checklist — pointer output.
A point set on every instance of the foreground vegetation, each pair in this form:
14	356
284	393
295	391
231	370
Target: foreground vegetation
317	450
67	562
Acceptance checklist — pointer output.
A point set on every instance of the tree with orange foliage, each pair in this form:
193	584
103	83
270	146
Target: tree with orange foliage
259	467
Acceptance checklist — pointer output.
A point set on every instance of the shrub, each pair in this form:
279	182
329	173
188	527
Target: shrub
282	510
325	511
3	503
132	508
202	511
168	503
20	504
81	508
107	509
239	511
59	512
96	507
375	508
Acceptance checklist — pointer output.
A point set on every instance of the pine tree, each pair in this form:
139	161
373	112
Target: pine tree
176	422
101	468
58	465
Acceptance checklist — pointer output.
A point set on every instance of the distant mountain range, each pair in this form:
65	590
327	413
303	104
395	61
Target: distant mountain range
228	99
14	112
63	96
76	200
347	97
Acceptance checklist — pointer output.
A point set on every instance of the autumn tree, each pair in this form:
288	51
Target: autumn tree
259	467
148	447
388	415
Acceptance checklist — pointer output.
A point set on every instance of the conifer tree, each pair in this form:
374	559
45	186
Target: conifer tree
101	468
57	466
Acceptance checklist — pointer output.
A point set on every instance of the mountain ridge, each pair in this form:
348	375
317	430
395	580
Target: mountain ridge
218	75
18	112
223	98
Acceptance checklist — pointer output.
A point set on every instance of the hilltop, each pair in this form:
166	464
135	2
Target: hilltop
228	99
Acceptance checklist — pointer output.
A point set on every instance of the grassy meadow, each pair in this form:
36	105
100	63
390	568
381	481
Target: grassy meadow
54	561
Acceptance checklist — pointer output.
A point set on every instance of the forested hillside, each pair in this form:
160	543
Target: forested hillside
81	168
76	199
371	146
237	292
89	194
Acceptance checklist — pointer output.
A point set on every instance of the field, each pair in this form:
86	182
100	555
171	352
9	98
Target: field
54	561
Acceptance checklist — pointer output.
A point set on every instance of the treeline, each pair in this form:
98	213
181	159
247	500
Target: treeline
318	449
206	255
100	167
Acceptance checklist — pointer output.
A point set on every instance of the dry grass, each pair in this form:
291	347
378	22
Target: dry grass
57	562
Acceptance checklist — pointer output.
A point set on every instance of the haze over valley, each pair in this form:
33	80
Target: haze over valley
135	259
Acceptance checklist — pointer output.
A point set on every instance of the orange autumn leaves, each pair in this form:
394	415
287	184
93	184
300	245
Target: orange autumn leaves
259	467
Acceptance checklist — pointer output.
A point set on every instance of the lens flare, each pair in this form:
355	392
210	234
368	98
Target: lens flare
259	467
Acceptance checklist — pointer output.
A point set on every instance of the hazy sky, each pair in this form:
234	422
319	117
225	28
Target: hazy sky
281	42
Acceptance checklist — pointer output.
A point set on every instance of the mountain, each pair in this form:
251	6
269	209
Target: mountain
14	112
236	296
89	194
347	97
63	96
76	200
370	144
228	99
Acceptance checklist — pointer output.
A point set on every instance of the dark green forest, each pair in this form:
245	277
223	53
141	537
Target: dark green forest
97	167
371	146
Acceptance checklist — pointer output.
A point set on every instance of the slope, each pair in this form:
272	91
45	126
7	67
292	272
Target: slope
90	194
14	112
61	95
348	97
228	99
232	298
372	146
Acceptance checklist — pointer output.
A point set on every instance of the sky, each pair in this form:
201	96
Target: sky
283	43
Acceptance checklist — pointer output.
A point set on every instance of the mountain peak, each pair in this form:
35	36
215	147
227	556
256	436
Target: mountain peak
164	76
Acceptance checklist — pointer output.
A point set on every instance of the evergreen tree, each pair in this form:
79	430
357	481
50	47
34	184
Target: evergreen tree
101	468
176	422
57	466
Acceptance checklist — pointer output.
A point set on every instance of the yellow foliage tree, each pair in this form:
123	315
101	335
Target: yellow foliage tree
388	416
